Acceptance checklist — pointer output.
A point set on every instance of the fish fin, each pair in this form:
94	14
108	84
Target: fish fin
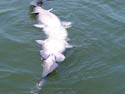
66	24
60	57
39	25
41	42
50	9
69	46
44	54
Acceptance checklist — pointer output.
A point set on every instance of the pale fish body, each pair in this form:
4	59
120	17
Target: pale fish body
56	32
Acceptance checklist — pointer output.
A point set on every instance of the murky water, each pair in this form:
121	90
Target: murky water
95	66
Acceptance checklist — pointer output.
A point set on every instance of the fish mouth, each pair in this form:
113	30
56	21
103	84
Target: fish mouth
36	13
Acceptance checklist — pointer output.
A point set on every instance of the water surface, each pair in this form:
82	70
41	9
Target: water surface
95	66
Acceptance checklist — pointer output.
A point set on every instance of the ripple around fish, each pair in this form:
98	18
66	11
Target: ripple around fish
3	11
4	2
109	11
91	68
7	71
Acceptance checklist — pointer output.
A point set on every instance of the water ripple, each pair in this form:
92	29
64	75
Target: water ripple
94	66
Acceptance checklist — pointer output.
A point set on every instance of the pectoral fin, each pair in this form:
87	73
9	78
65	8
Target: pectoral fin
69	46
39	25
50	9
66	24
40	42
60	57
44	54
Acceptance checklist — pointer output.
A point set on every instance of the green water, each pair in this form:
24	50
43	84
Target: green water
95	66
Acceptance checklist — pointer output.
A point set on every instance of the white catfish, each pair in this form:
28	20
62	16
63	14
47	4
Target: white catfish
56	44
